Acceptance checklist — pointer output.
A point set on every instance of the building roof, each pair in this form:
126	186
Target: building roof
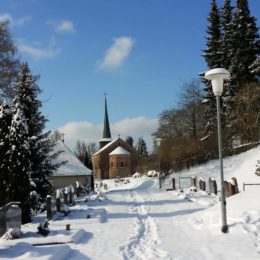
73	166
104	148
120	151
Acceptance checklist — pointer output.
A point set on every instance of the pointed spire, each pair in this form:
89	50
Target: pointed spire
106	131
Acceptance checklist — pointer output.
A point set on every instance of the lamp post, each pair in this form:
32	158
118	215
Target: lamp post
217	77
158	143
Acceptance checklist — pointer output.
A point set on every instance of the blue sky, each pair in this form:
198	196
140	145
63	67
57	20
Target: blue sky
140	52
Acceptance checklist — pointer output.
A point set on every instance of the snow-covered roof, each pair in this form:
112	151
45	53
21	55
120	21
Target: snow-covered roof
119	150
73	167
104	148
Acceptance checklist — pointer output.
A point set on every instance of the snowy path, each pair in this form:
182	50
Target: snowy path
145	243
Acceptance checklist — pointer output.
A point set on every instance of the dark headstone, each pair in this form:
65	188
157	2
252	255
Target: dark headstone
234	182
14	217
173	184
58	204
66	199
50	207
6	219
202	185
213	186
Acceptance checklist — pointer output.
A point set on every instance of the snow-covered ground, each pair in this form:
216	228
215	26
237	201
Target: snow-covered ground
137	220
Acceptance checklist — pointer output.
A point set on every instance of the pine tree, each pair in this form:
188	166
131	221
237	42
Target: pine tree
255	68
213	58
227	47
212	53
41	145
130	140
5	122
246	46
141	148
20	166
227	27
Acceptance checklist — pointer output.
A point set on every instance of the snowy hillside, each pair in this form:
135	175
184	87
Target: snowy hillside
137	220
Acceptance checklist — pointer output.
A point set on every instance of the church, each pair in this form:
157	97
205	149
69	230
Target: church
115	158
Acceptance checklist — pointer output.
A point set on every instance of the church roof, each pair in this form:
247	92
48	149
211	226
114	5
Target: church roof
104	148
120	151
73	166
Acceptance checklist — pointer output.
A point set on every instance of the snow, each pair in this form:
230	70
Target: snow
119	150
135	219
73	165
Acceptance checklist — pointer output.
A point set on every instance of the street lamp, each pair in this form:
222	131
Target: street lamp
158	142
217	77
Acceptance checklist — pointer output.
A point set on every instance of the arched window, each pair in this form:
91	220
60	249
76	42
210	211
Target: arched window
112	164
121	164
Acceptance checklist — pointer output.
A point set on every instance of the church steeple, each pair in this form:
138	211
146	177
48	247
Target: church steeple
106	131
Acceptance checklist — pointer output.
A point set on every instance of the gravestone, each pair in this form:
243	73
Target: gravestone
234	182
173	184
202	185
66	198
213	186
6	218
14	217
227	188
77	188
193	182
50	206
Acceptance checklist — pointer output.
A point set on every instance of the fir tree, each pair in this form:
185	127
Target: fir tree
228	30
141	148
212	53
255	68
213	58
5	122
20	166
227	55
41	146
130	140
246	46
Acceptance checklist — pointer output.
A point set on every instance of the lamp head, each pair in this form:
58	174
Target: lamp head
217	77
158	141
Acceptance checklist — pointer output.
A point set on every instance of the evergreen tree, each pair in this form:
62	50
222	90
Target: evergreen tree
141	148
246	47
213	58
255	68
227	26
227	46
212	53
130	140
5	122
18	188
41	146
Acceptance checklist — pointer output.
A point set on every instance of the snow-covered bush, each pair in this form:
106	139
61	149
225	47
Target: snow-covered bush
12	234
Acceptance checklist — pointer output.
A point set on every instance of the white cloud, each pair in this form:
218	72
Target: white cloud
88	132
62	26
14	22
65	26
117	53
40	53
